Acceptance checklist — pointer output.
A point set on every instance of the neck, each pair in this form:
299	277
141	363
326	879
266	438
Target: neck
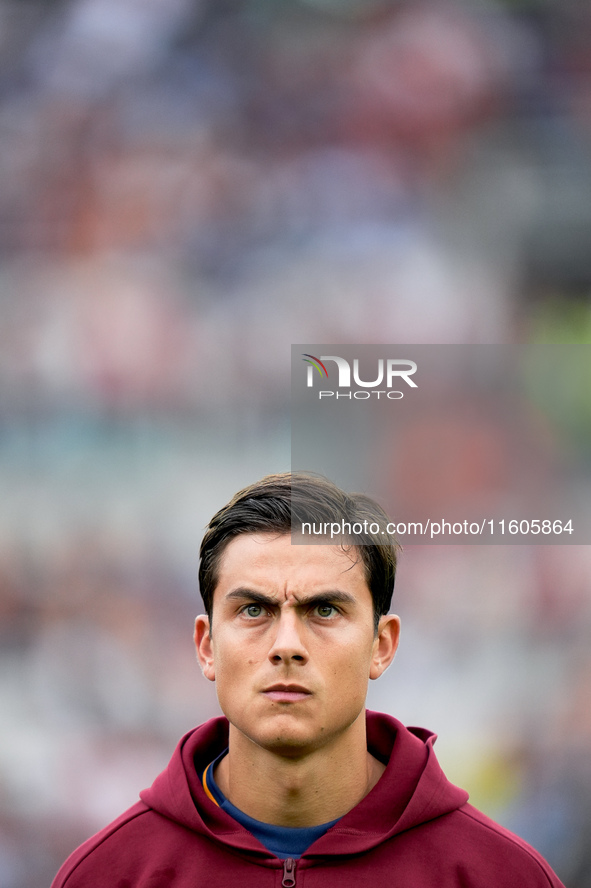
301	791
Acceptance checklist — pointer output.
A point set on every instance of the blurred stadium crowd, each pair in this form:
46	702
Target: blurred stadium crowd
188	186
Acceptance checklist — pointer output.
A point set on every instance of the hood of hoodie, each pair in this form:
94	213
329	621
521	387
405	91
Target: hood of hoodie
412	790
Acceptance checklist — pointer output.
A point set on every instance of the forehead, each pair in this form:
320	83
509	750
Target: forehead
270	563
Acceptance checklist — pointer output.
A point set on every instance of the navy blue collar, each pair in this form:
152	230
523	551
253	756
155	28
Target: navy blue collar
282	841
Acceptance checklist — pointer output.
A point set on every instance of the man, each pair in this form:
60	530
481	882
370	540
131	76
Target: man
298	785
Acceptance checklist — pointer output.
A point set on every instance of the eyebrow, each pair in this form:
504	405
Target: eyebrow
333	595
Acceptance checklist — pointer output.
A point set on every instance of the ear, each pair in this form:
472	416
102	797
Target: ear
204	646
385	645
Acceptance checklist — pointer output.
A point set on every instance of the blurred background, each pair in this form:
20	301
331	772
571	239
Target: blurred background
187	187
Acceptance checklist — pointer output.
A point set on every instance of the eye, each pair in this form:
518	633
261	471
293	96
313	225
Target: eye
326	610
253	610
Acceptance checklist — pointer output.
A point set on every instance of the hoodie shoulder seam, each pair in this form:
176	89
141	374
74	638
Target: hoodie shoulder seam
107	833
520	844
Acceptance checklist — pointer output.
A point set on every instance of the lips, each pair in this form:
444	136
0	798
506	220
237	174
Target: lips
287	693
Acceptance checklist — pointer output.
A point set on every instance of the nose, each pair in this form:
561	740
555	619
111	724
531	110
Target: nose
288	644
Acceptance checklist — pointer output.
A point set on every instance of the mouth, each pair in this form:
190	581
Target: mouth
287	693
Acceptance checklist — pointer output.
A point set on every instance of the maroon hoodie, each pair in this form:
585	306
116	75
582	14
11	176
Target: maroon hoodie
415	829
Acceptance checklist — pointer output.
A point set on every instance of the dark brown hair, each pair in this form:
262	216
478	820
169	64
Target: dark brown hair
281	504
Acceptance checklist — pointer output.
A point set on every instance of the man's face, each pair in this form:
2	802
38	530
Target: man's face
292	644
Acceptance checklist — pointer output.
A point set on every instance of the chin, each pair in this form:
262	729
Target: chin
288	747
289	740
